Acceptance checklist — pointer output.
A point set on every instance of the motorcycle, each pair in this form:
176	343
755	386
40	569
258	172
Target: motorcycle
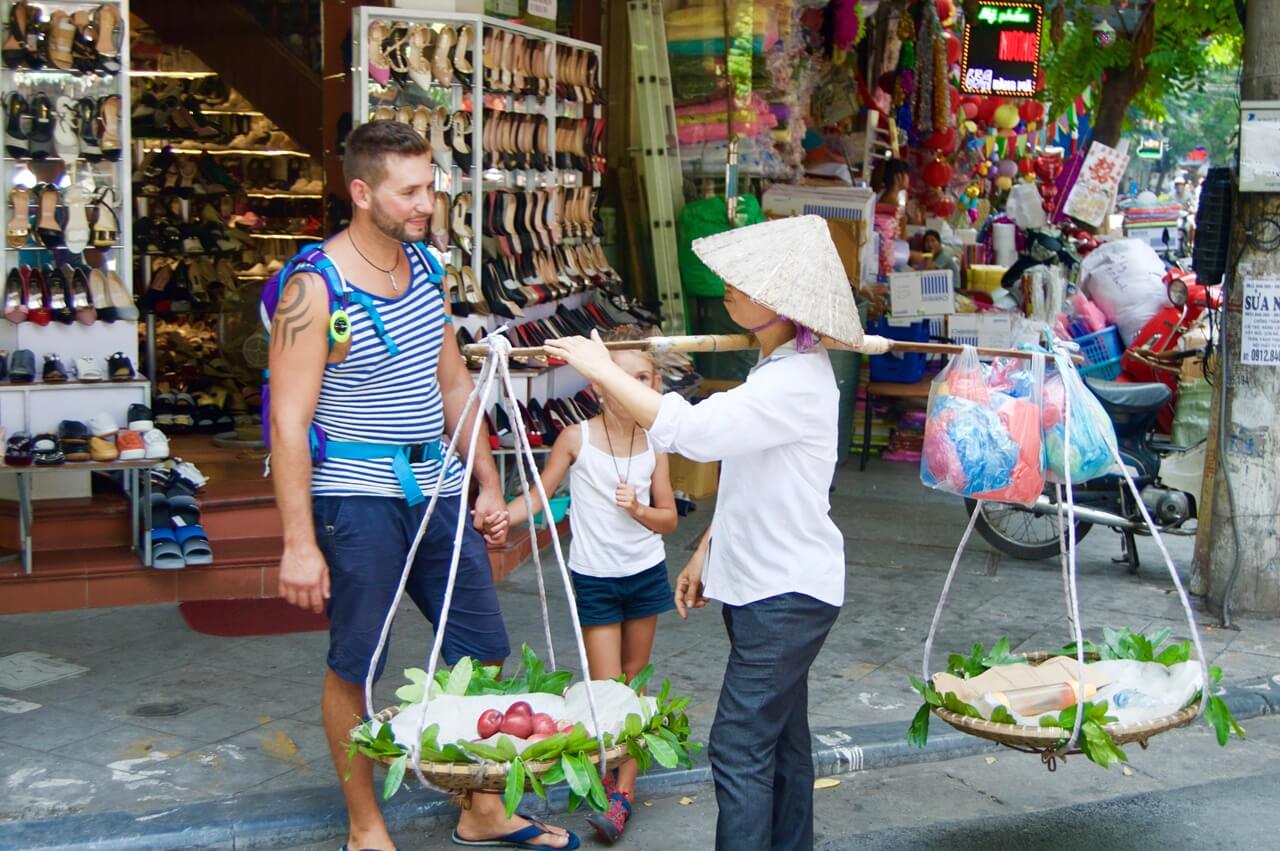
1168	477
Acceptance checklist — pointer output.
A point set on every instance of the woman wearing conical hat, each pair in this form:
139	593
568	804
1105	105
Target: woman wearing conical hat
772	554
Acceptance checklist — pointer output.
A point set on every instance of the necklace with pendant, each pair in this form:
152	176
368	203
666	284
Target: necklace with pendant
390	273
609	440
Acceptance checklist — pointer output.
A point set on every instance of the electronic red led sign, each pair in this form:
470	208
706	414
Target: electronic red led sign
1001	49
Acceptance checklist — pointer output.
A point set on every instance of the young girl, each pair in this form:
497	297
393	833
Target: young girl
622	506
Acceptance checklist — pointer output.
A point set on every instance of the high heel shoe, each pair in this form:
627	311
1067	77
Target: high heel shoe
441	62
18	229
462	53
462	233
37	296
379	67
436	136
17	34
107	24
15	296
440	222
422	40
48	228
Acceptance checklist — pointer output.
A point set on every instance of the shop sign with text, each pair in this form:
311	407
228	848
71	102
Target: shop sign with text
1001	50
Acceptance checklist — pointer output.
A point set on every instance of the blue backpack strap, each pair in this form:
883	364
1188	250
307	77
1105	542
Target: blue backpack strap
435	274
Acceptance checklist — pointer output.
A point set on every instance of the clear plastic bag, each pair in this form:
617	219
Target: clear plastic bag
968	449
1016	390
1093	437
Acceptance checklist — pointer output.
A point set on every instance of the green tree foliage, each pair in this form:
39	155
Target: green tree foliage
1163	53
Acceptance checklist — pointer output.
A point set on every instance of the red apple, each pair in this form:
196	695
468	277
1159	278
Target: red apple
517	725
543	723
490	722
537	737
564	726
520	707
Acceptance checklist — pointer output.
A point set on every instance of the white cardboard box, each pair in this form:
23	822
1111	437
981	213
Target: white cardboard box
983	330
930	293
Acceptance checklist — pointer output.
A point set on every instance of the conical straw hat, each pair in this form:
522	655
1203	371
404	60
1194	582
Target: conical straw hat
790	266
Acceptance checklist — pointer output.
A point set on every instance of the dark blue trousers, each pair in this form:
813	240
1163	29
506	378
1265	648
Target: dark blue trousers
761	756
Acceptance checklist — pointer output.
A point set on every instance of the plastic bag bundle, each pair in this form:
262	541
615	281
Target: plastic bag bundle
1093	437
1017	388
974	436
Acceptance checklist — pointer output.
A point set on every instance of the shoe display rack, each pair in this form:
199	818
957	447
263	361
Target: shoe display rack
514	120
67	250
223	198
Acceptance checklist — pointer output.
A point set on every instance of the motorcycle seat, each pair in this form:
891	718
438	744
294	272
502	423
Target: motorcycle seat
1129	398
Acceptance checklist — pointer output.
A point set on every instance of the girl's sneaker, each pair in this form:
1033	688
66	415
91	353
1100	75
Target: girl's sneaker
609	825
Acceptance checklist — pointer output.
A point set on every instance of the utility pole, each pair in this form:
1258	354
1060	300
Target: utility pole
1250	440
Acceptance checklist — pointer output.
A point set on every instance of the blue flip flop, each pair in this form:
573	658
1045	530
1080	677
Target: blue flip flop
518	839
194	544
166	552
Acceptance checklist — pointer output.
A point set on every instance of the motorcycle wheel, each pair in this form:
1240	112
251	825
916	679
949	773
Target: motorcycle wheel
1019	532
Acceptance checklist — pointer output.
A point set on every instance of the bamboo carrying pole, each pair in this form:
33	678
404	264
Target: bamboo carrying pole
742	342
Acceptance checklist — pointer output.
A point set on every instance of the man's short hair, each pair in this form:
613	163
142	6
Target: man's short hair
370	144
933	233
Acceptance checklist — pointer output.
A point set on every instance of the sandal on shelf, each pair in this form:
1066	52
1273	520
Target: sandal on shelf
195	545
48	228
76	233
18	230
166	552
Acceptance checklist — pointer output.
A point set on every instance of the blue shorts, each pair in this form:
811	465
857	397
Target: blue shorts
365	540
611	600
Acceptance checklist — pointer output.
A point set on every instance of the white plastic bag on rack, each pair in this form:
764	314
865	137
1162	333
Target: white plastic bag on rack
1093	437
1126	279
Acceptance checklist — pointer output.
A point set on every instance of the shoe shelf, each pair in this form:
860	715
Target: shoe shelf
514	121
66	175
219	174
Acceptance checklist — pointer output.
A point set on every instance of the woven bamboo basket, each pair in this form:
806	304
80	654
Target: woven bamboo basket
1044	740
458	778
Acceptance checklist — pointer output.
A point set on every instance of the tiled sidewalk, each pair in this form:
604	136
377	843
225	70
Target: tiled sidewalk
162	716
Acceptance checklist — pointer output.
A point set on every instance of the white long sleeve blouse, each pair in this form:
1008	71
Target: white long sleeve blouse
775	435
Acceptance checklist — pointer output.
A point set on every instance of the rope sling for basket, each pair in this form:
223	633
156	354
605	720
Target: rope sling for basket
1067	548
496	366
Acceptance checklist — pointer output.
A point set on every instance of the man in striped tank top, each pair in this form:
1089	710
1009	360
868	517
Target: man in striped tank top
383	397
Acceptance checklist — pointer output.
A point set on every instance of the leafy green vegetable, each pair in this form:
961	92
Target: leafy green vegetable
577	774
1095	742
1221	719
1000	655
640	680
918	732
662	738
417	687
1001	715
395	776
597	796
661	749
514	790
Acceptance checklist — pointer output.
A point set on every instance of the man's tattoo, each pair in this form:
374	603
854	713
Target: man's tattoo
291	318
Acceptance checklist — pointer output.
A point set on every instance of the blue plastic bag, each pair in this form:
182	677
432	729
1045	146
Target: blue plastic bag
1093	437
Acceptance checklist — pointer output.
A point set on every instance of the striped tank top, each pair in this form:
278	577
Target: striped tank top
376	397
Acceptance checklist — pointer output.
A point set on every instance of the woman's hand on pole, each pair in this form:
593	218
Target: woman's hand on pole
588	356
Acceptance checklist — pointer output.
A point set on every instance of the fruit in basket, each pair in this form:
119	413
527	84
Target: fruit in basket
520	726
490	722
564	726
543	724
520	707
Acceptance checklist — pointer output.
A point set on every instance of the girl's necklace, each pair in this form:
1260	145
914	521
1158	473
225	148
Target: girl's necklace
614	457
390	273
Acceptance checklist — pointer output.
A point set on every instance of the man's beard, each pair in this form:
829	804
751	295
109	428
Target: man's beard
398	231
